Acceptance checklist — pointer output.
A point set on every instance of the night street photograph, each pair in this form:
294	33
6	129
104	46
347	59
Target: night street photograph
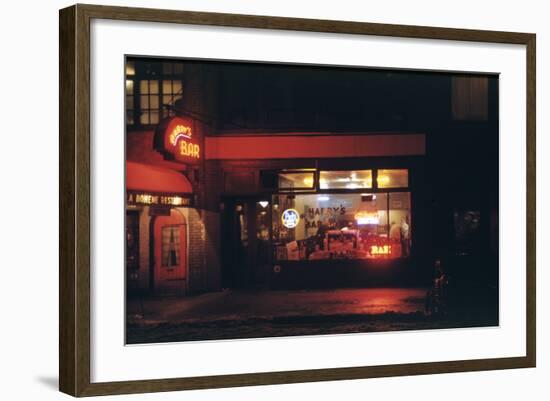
274	200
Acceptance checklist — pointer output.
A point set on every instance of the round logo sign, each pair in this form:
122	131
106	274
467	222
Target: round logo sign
290	218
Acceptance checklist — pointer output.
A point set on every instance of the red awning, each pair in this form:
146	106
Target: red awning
144	177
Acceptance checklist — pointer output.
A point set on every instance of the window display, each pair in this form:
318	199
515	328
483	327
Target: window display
342	226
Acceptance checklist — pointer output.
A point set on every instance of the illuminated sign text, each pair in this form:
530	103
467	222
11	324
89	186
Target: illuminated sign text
364	218
151	199
177	140
380	250
290	218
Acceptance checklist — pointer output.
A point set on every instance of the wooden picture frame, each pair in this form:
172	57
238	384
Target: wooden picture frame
75	208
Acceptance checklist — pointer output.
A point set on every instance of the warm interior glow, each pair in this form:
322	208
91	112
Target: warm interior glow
296	179
383	180
363	218
129	86
393	178
380	250
345	179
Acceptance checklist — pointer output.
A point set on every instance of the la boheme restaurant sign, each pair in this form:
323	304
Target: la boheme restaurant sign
149	199
176	138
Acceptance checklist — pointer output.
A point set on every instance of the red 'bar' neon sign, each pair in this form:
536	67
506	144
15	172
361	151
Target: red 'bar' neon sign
177	140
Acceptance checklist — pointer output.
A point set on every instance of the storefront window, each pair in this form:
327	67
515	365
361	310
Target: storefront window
345	179
341	226
400	220
393	178
297	180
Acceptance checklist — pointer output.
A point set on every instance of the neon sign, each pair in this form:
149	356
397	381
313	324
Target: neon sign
176	139
290	218
377	250
139	198
181	131
363	218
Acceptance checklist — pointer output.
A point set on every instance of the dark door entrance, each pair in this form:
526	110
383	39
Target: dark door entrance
246	242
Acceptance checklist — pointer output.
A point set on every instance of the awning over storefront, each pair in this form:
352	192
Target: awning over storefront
147	178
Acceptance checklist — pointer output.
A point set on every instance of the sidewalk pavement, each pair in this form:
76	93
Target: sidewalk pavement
232	305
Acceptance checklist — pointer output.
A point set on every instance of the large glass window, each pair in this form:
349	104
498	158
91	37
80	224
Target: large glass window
345	179
341	226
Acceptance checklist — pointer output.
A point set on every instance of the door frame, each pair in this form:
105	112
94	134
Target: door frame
230	201
152	266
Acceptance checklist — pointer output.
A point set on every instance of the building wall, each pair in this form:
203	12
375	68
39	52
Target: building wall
200	101
203	251
144	249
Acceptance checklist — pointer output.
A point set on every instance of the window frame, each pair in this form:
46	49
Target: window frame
350	190
317	184
142	73
310	189
387	191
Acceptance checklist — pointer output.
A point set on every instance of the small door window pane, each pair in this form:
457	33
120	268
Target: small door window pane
144	102
154	117
167	99
129	87
144	118
166	86
154	86
130	68
170	246
154	102
144	87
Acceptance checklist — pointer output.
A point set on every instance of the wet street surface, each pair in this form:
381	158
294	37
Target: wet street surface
238	314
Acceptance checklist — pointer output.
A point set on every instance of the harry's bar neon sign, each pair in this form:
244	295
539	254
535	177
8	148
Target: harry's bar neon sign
181	131
380	250
175	138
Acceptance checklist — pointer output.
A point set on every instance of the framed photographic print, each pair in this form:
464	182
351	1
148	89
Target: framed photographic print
250	200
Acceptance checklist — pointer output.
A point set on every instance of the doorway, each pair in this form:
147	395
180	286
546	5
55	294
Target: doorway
169	253
246	245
